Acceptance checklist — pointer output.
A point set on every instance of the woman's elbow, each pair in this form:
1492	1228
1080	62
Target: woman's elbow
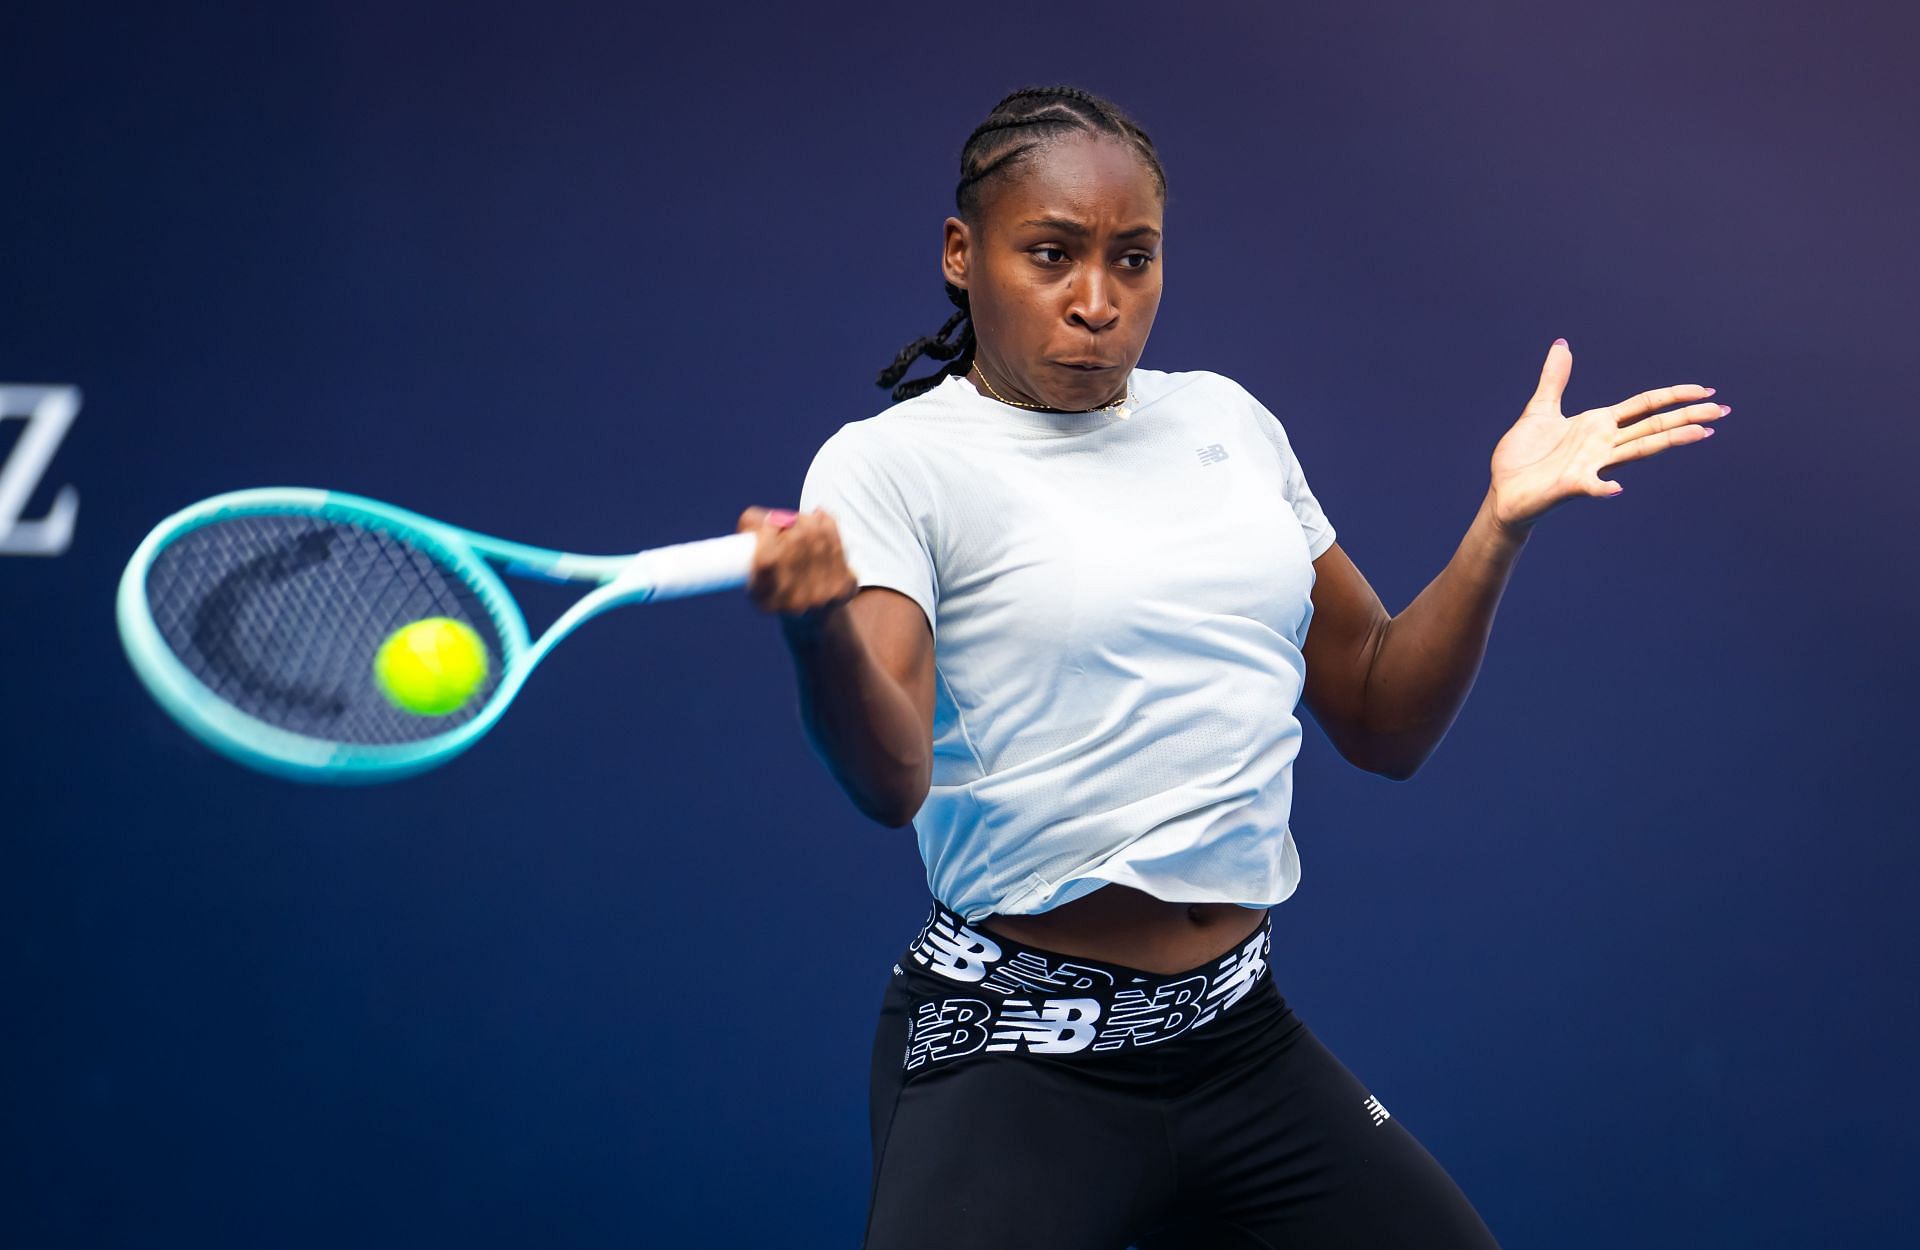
897	803
896	813
1372	754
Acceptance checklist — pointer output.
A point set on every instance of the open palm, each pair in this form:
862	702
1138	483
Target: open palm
1547	459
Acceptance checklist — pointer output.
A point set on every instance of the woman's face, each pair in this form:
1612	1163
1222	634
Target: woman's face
1062	272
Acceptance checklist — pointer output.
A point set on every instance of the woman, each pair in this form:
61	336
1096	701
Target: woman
1052	609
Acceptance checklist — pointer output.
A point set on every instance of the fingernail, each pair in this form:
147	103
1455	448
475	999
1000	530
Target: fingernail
1707	433
780	518
1559	342
1712	389
1725	409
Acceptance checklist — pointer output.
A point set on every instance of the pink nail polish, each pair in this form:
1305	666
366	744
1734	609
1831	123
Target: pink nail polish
1725	409
1707	433
780	518
1712	389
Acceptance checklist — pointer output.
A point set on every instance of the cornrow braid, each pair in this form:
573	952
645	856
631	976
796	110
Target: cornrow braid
937	345
1021	123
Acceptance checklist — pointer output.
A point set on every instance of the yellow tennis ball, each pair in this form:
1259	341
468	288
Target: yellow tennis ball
431	667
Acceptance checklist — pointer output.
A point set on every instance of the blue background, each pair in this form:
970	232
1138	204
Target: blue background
1634	953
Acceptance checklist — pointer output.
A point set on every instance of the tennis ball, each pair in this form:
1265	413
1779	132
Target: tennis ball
431	667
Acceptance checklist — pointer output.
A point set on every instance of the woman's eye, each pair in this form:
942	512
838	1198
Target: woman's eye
1050	255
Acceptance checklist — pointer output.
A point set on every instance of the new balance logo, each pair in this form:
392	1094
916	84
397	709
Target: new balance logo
958	953
1236	974
1139	1020
1211	454
1058	1026
946	1029
1378	1112
49	410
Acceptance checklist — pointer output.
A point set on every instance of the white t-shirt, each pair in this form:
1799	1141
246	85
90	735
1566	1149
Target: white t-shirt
1118	608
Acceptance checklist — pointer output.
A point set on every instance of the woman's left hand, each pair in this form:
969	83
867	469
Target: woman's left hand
1547	459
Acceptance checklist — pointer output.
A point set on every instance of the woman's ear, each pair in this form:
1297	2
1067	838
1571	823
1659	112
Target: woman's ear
954	252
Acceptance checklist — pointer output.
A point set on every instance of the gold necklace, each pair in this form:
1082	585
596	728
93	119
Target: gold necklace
1121	408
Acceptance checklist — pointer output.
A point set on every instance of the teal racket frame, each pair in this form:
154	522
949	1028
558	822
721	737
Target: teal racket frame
698	567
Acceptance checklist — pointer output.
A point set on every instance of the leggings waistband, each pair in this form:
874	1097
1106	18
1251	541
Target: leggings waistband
1024	999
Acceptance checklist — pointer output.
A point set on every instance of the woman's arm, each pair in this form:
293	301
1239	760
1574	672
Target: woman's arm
1387	688
865	672
863	660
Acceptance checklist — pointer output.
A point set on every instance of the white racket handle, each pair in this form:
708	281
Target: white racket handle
696	568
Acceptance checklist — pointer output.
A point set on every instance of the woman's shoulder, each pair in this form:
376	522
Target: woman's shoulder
897	420
1189	385
893	439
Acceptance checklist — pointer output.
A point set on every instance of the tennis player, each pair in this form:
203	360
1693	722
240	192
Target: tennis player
1052	609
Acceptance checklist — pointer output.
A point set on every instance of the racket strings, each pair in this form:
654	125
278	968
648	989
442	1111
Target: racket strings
281	615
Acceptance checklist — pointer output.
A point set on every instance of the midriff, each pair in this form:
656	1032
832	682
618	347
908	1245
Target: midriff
1118	924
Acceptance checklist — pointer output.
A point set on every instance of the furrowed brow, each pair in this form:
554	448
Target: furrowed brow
1074	228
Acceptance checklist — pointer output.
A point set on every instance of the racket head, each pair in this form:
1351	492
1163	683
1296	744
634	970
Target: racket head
253	617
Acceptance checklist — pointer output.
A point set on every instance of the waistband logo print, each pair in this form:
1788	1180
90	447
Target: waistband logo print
1029	970
946	1030
1059	1026
1141	1019
1238	973
1109	1017
958	953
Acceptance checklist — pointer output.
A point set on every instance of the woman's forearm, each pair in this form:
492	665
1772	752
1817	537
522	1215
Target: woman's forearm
860	721
1431	651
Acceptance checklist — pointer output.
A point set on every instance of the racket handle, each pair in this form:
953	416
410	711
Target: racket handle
696	568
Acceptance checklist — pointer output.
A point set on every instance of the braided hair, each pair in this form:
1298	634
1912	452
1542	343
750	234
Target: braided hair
1019	125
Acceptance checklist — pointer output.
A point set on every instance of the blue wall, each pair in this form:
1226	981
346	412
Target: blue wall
1633	955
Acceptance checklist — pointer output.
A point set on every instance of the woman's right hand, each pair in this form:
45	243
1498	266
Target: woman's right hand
799	566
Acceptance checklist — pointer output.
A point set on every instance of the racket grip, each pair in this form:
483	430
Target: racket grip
696	568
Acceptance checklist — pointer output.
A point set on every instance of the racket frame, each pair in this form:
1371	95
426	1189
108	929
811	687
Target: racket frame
673	571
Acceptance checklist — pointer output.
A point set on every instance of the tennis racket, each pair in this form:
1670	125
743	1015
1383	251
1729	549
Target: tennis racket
254	618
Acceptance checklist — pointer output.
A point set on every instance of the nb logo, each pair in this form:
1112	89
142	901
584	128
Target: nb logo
1058	1026
1236	974
1378	1112
947	1029
1212	454
959	954
48	410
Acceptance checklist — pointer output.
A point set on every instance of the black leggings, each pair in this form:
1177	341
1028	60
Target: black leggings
1024	1098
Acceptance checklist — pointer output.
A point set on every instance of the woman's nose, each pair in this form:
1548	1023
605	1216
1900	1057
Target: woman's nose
1093	304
